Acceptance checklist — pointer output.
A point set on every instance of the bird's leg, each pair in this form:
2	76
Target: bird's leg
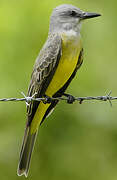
70	98
47	100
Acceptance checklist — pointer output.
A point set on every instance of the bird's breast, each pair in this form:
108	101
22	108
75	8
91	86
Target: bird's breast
71	47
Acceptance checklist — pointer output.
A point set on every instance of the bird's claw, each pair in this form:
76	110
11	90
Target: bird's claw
70	98
47	100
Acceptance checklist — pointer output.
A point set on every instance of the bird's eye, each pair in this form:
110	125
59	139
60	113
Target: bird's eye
73	13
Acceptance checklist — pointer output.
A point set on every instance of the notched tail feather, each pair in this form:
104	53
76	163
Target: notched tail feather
26	151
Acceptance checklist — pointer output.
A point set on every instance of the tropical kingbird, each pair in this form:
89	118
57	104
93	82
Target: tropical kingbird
55	67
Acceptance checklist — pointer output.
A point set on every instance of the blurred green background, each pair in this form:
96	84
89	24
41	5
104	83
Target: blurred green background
77	142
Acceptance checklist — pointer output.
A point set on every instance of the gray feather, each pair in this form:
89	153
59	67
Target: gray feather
26	152
44	68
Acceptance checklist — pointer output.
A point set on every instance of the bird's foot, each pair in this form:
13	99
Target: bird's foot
70	98
47	100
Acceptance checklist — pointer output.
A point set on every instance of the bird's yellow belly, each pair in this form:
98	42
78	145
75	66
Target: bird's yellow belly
63	72
66	66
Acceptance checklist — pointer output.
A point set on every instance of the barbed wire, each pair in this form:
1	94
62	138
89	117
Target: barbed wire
66	97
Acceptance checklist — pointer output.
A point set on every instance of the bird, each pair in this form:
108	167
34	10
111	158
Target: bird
55	67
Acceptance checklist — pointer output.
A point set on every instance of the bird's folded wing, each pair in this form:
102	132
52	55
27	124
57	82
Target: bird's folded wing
44	69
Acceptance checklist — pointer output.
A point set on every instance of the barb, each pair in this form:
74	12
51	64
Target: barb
65	97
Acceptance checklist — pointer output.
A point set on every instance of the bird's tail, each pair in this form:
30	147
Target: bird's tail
26	151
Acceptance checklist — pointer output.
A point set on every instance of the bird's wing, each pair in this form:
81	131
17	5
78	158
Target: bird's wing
44	69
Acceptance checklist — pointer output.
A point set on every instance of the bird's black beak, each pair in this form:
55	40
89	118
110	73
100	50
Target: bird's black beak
88	15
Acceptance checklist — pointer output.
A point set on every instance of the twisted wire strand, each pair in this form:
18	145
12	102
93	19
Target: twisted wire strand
107	97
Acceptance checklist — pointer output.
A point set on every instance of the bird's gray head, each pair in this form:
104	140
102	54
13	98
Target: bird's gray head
67	17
